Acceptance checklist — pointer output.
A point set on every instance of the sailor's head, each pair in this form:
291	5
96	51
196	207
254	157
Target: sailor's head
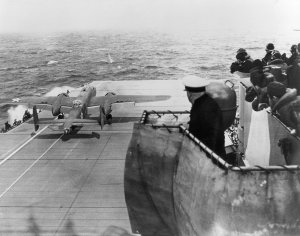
194	86
241	54
270	47
294	48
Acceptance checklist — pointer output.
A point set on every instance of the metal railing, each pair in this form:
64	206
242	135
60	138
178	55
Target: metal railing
210	153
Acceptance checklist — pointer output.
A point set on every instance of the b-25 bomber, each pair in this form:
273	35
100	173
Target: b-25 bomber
79	108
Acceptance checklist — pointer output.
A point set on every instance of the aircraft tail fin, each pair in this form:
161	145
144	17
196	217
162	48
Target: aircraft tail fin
35	118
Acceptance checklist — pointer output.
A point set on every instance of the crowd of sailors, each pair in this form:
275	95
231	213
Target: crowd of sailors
275	83
7	126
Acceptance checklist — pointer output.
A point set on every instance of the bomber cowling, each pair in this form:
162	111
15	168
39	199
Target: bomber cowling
56	111
56	107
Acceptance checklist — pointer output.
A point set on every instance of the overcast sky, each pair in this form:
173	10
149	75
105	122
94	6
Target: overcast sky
61	15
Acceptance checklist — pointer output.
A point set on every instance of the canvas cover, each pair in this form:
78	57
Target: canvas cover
173	186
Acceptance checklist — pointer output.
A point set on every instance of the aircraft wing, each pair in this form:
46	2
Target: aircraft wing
65	109
45	103
37	100
96	101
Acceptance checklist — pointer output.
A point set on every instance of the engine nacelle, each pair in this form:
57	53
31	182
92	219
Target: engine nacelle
226	99
56	107
56	110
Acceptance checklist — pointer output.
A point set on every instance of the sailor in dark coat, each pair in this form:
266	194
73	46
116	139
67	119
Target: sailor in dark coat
205	116
272	56
244	62
294	58
293	76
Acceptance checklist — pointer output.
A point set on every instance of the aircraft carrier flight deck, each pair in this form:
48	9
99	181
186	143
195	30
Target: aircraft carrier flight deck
56	184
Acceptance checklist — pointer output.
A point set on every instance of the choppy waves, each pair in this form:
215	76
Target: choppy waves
18	68
127	71
211	68
152	67
35	65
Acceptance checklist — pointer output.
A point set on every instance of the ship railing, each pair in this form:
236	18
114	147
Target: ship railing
274	115
209	153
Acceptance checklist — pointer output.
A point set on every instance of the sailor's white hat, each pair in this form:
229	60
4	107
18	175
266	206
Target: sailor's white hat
194	83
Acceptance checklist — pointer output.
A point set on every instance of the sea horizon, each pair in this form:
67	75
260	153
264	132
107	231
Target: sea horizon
36	63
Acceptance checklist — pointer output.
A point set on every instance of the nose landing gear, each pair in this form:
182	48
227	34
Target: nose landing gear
67	131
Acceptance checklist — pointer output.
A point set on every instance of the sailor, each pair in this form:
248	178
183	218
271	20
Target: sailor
257	65
285	102
15	123
294	57
7	126
26	115
293	75
260	80
205	116
272	56
243	63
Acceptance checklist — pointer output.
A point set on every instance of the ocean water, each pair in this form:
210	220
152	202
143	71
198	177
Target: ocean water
36	64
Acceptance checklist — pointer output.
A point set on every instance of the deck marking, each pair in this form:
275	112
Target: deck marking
29	167
18	149
80	190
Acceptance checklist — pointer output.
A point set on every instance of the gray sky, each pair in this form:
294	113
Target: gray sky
60	15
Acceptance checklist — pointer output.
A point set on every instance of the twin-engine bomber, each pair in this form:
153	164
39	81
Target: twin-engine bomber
79	108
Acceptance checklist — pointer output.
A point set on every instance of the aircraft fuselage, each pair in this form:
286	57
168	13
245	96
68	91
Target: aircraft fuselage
80	104
82	101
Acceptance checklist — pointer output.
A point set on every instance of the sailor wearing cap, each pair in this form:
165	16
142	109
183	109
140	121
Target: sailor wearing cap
243	63
294	58
267	58
272	56
205	116
269	47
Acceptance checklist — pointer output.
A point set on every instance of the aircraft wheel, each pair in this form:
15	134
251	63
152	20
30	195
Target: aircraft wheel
61	116
67	131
